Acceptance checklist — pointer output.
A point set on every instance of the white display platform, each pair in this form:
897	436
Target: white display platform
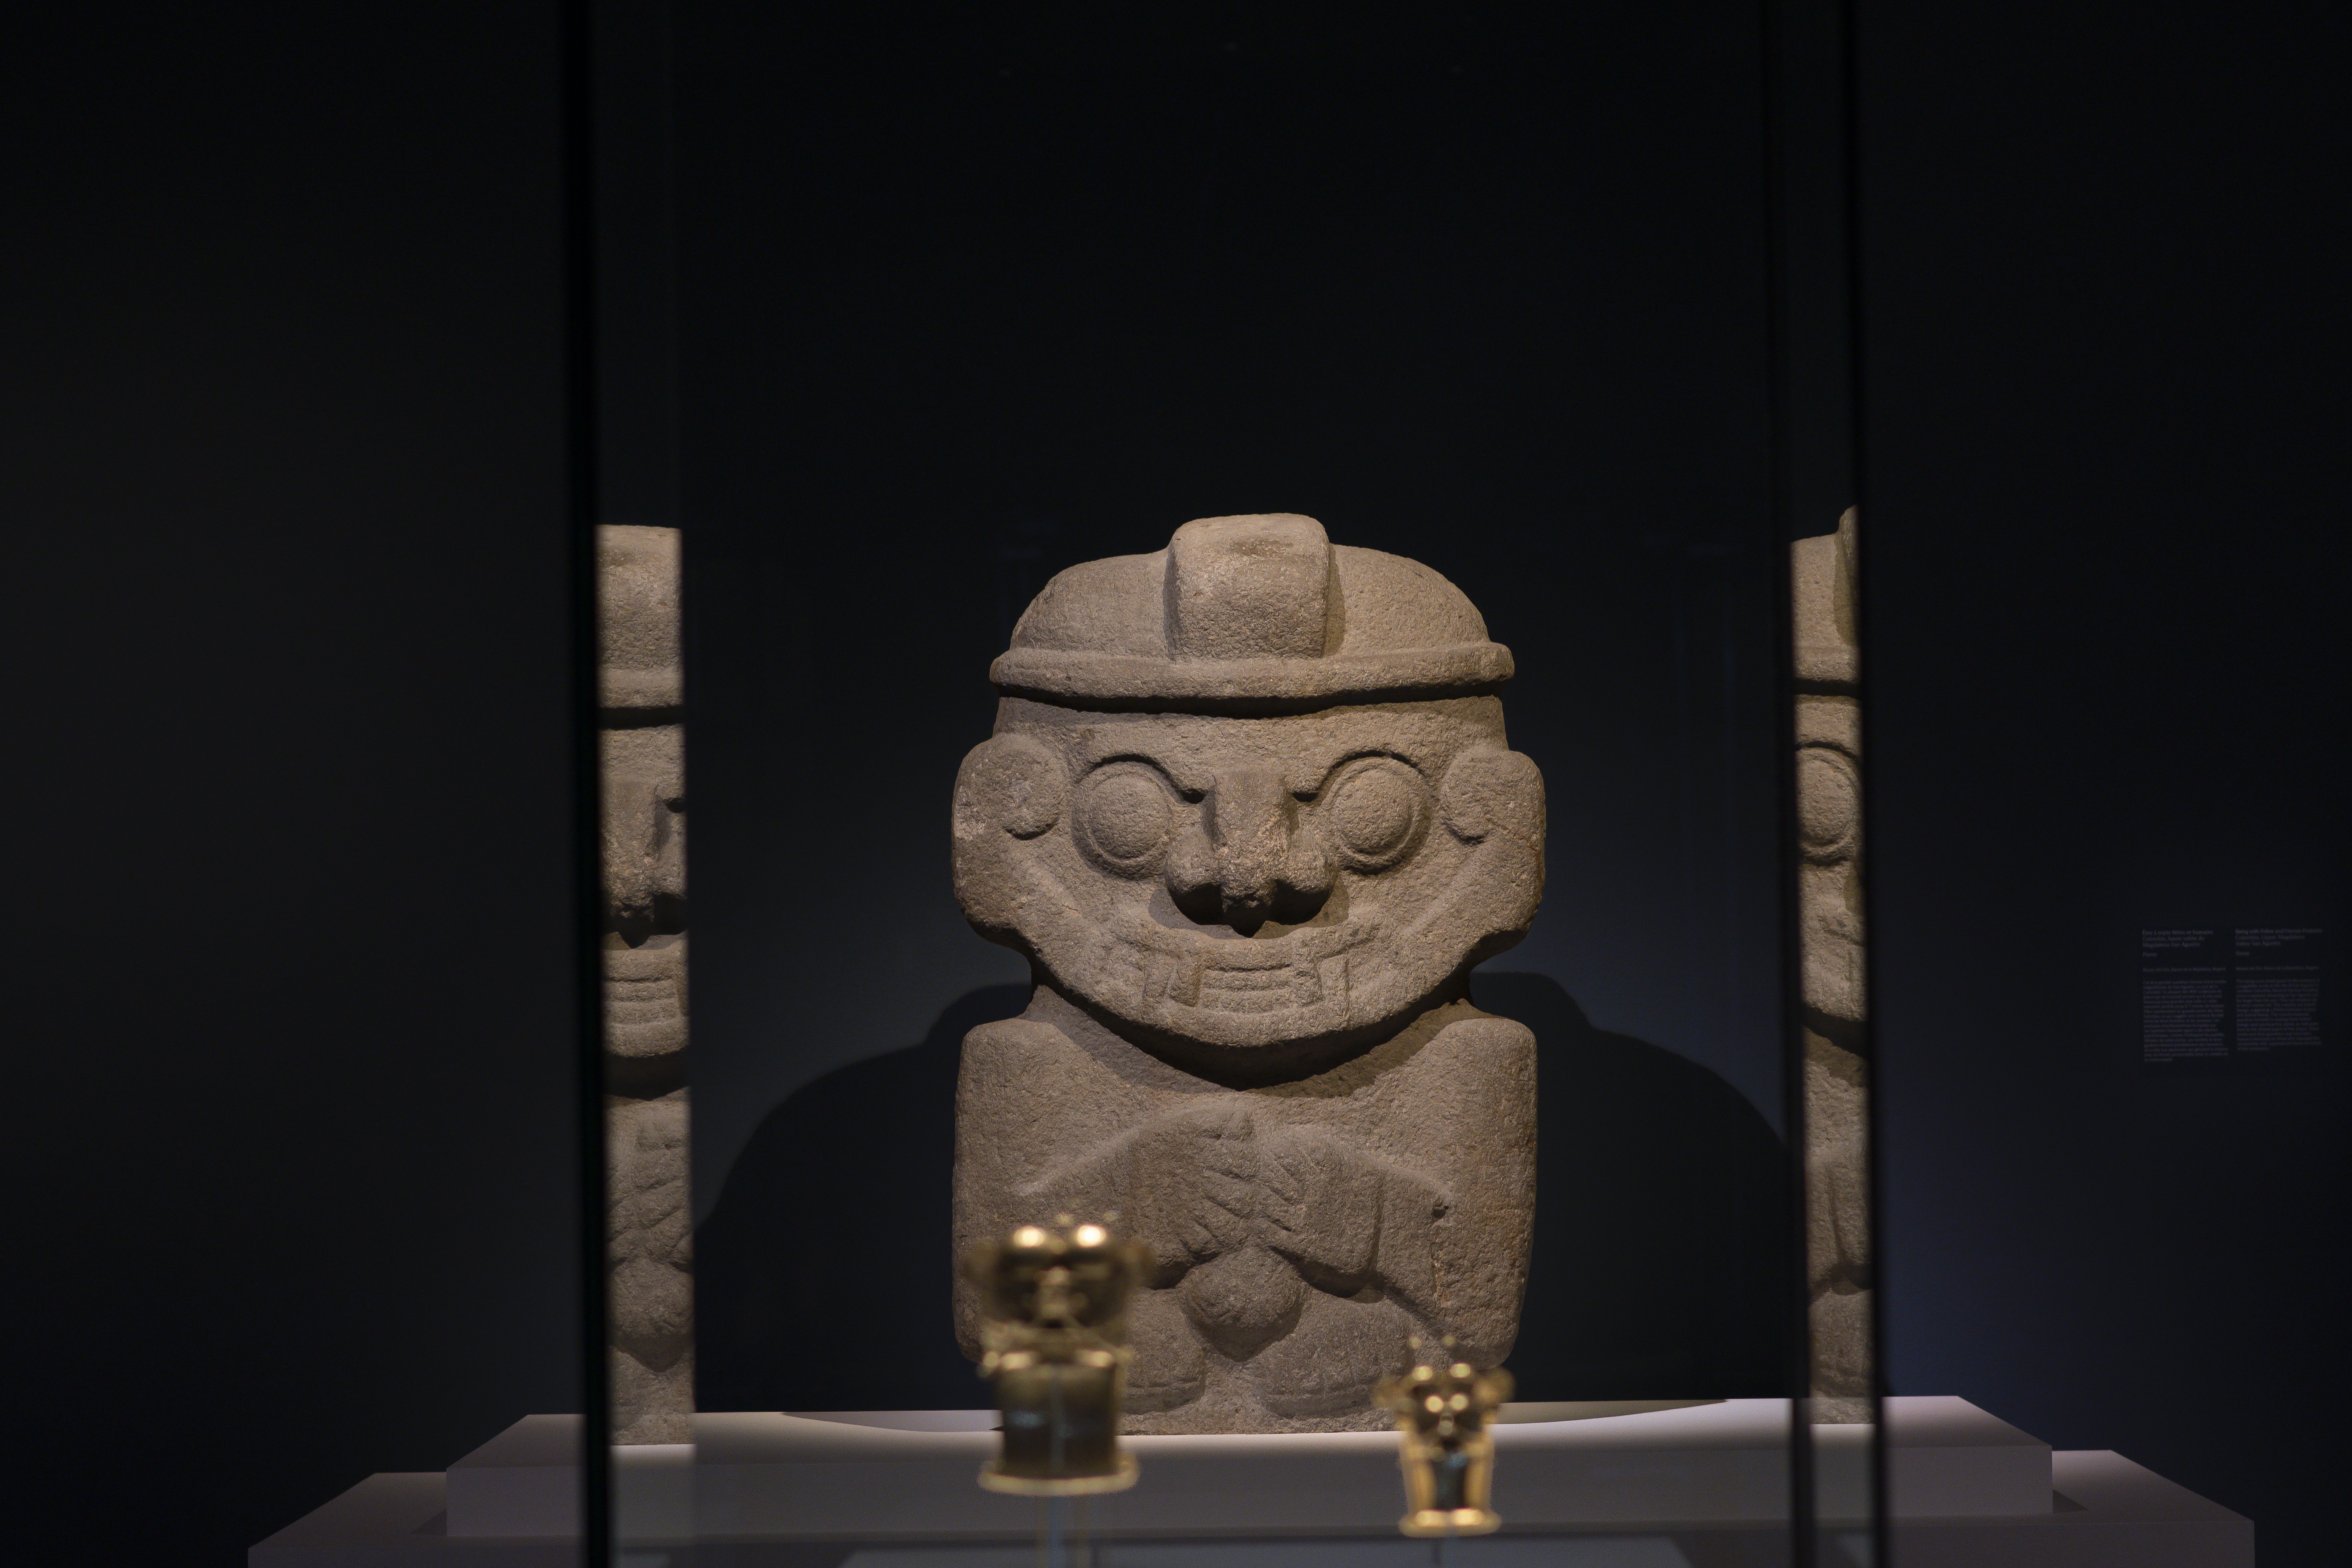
525	1481
1573	1484
908	1474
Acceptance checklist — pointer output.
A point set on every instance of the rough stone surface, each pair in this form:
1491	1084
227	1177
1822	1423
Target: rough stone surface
1837	1087
1250	813
651	1297
650	1294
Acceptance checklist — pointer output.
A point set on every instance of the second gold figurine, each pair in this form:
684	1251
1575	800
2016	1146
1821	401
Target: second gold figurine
1443	1408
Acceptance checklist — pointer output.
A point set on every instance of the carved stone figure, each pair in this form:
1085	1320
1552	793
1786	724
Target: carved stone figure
1829	810
641	696
1249	812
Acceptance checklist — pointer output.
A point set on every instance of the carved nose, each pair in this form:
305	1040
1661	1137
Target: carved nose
644	853
1250	861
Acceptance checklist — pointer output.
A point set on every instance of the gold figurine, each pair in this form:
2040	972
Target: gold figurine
1055	1345
1443	1408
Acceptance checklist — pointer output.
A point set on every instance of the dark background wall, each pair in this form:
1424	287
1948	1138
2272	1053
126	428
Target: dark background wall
2109	690
291	1045
288	609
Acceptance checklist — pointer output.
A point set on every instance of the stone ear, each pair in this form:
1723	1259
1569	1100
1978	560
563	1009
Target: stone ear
1488	789
1828	805
1010	784
1008	788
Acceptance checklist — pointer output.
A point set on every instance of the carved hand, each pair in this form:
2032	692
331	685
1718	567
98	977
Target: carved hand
1191	1184
1200	1182
1345	1216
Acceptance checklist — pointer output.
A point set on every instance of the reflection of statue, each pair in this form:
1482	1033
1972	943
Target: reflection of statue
1829	810
1250	814
641	699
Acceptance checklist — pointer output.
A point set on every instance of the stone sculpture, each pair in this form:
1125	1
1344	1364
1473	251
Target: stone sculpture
1829	809
1249	812
641	699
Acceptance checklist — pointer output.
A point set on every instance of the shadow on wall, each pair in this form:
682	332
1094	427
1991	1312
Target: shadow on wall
1665	1252
821	1277
1664	1268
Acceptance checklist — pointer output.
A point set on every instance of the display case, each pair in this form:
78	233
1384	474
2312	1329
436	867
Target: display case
1234	651
1266	618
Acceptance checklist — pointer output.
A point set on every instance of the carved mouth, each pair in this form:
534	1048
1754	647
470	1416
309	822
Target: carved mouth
645	997
1257	990
1307	968
1223	991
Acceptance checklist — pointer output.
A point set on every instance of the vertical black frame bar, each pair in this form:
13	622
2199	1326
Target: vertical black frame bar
580	468
1779	525
1813	240
1873	1158
1802	1532
1881	1524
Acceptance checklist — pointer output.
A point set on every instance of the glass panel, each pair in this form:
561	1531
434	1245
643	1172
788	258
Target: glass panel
1840	1433
1840	1423
902	323
2106	826
649	1300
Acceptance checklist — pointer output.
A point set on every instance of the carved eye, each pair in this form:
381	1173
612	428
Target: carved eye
1124	818
1829	803
1378	807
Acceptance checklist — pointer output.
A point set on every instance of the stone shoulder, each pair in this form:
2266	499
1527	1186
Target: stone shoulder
1485	1034
1008	1037
1002	1061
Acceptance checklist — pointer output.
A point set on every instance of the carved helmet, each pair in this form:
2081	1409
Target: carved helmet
1256	614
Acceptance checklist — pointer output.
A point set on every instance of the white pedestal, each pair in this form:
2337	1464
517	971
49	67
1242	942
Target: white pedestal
525	1481
908	1474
